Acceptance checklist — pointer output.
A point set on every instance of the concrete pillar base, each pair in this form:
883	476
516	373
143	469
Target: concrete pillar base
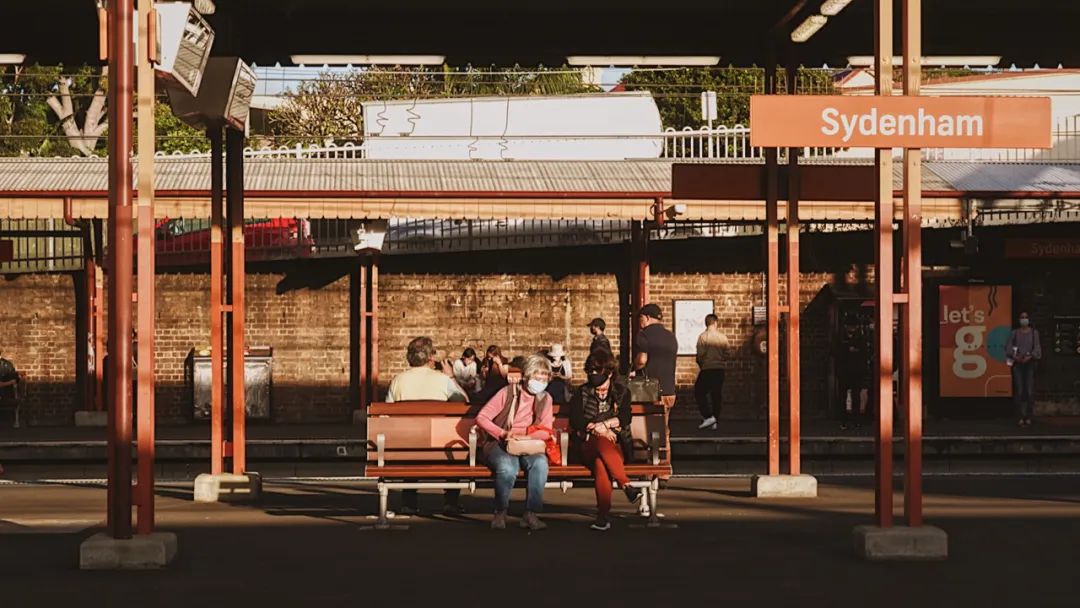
228	487
784	486
91	418
901	543
359	417
140	552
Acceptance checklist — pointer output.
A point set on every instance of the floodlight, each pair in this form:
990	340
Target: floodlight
368	59
641	60
12	58
224	97
184	41
808	28
830	8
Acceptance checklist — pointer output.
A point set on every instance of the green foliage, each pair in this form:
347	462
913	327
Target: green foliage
173	135
678	91
328	109
28	127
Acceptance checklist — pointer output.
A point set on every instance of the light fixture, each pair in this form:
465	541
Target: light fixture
640	60
368	59
184	40
830	8
12	58
224	97
933	60
808	28
206	7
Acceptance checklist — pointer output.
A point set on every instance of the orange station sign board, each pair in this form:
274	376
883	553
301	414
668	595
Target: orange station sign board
841	121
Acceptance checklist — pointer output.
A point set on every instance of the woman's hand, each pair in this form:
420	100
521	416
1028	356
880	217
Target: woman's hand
607	433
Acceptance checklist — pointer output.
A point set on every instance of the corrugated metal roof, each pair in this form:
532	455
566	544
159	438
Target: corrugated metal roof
1008	177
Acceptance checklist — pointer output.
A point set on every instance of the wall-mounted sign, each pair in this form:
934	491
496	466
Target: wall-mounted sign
974	322
842	121
689	322
1042	248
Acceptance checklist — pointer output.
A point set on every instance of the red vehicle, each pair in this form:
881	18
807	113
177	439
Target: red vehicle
186	242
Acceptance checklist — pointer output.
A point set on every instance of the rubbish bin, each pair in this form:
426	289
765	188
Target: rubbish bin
258	378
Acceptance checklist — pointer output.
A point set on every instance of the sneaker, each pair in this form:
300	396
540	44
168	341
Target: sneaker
499	521
708	423
633	494
601	525
532	522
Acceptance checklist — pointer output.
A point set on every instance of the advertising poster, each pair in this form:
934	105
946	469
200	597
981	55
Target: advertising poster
690	322
974	322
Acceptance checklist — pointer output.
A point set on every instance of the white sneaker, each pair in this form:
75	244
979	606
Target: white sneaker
709	422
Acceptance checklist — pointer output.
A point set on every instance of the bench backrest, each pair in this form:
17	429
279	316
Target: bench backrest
438	432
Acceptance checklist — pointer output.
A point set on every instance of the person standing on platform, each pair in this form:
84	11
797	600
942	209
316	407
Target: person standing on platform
712	346
655	350
599	338
1022	352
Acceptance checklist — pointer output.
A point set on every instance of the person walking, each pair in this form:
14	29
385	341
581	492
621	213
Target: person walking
1022	352
712	346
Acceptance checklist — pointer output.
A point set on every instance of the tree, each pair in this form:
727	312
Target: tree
678	91
48	111
330	107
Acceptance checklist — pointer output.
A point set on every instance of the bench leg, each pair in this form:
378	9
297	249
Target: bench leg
651	495
383	523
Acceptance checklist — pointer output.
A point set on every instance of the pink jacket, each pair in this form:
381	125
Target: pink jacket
523	417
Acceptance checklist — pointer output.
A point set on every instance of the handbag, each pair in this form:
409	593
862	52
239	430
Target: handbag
551	446
521	446
644	389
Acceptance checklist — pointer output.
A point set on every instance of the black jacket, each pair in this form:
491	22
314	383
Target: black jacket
585	408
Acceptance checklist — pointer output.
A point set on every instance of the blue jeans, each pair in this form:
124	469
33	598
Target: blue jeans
1024	388
505	469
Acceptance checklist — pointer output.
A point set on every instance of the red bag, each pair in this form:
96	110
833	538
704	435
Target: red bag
552	448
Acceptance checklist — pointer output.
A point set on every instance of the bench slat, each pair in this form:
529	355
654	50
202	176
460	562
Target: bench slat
442	408
467	472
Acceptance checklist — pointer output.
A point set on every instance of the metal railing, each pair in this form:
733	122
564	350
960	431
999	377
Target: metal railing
41	245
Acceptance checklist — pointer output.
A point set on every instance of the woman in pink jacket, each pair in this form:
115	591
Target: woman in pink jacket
531	406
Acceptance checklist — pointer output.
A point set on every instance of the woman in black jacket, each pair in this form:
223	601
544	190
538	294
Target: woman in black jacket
600	418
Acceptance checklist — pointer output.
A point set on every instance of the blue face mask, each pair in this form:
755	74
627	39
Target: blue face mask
537	386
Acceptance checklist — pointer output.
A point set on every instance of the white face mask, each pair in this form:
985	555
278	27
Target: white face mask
1025	322
537	386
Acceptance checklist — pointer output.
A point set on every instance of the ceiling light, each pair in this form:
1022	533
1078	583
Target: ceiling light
830	8
933	60
639	60
368	59
12	58
206	7
808	28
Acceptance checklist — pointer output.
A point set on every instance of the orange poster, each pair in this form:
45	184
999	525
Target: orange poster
902	122
974	322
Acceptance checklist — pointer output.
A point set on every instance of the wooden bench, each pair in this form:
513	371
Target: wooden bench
435	445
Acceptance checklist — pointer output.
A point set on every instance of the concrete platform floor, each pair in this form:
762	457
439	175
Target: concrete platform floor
1012	543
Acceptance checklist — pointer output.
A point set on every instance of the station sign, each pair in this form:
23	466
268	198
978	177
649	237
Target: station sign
840	121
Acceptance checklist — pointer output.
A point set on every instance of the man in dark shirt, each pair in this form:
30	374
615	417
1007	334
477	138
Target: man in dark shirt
599	340
655	350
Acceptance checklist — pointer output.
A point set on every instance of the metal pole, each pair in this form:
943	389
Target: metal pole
217	311
373	335
121	86
772	286
234	166
98	312
146	273
911	377
362	303
793	348
883	258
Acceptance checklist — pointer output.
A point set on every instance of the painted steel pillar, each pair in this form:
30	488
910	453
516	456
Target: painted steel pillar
794	315
911	373
120	17
772	288
883	260
217	310
234	167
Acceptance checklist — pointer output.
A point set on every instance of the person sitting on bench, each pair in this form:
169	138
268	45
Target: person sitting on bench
423	382
508	418
600	416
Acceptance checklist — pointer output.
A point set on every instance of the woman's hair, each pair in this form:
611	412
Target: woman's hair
494	350
533	364
469	352
419	351
518	362
600	360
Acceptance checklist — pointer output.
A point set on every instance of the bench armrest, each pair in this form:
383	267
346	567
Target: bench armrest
564	445
472	446
654	447
380	447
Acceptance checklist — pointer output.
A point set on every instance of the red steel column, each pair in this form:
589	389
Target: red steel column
234	164
373	336
793	348
883	259
146	274
121	87
772	287
911	376
98	312
363	337
217	312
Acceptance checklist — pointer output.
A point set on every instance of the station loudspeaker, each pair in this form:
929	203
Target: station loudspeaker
184	39
224	97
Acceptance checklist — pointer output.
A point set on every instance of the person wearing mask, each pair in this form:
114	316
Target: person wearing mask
423	382
1022	351
655	350
599	339
511	414
709	386
561	374
600	417
465	371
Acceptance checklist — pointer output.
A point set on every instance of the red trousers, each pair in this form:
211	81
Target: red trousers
605	459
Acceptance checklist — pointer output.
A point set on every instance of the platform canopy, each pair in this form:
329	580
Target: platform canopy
486	32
